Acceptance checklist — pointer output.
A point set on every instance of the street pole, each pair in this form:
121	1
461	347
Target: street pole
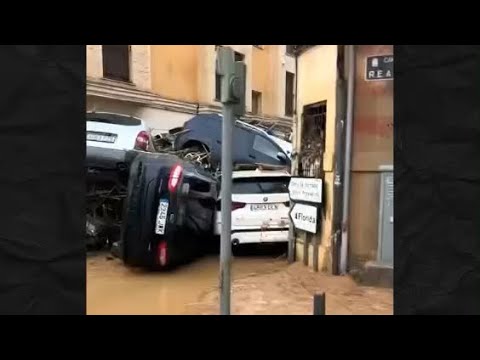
226	214
233	102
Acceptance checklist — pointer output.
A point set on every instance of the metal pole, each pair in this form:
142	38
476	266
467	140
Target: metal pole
291	240
348	157
226	213
291	231
319	304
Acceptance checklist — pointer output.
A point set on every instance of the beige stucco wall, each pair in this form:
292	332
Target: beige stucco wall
372	147
94	61
317	77
187	73
266	77
175	71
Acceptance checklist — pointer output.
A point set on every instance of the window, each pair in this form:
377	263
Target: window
264	185
313	137
116	62
198	185
113	119
265	147
239	56
256	102
289	89
290	49
218	87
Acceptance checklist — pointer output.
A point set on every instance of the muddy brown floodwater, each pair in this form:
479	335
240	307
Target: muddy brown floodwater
114	289
264	285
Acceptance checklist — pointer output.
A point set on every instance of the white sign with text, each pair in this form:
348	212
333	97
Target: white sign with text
304	217
305	189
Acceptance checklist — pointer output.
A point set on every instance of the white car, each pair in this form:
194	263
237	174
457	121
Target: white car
117	132
260	207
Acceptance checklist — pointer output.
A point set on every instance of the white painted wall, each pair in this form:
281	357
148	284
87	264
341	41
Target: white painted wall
158	119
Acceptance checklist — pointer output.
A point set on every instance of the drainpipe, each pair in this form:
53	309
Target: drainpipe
350	55
291	231
338	166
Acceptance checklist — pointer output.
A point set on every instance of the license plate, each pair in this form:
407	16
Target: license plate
101	138
260	207
161	217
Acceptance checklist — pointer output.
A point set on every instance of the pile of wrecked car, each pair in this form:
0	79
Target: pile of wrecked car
155	199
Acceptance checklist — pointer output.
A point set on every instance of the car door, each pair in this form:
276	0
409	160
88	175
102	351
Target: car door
242	145
265	151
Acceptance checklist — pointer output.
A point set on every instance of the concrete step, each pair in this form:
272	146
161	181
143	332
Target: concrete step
375	274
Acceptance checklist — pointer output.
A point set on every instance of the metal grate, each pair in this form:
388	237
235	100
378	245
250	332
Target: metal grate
313	140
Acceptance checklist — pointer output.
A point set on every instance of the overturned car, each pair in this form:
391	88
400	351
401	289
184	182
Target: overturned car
157	207
169	211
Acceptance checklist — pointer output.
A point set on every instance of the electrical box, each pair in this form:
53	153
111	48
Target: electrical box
385	220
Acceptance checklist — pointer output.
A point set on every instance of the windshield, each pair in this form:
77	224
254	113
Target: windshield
263	185
114	119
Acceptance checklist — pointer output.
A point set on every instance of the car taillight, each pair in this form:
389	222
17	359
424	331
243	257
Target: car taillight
175	177
237	205
162	253
141	142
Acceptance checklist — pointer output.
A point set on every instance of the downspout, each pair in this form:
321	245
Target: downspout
350	54
291	231
339	155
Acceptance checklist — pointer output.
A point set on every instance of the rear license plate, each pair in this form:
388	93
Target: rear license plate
260	207
161	217
101	138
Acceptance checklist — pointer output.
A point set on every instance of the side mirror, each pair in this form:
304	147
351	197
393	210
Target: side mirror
282	157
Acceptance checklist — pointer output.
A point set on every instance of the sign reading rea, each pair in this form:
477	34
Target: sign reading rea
379	68
305	189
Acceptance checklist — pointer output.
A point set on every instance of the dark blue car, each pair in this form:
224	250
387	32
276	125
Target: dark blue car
251	145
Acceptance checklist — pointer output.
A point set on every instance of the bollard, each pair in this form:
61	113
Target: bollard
319	304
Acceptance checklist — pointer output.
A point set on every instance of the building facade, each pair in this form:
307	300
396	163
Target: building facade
321	110
168	84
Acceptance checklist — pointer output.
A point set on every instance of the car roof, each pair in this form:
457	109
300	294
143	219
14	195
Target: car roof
219	117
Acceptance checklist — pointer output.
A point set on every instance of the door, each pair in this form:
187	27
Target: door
242	145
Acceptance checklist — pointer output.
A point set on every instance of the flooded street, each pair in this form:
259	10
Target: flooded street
114	289
262	284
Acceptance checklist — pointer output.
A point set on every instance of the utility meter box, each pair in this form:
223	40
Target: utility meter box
385	220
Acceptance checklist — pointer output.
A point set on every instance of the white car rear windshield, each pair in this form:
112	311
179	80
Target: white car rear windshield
114	119
264	185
